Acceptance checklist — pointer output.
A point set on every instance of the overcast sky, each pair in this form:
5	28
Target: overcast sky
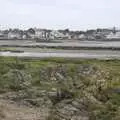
60	14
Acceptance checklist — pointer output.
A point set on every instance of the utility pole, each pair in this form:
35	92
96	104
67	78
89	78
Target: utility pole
114	30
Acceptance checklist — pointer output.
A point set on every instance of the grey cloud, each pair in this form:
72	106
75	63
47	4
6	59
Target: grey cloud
74	14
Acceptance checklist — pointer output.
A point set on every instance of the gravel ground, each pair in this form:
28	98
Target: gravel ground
11	111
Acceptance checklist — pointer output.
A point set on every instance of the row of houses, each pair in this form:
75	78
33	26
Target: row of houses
31	33
102	34
44	34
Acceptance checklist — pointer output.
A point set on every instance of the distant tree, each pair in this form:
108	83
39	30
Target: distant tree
81	32
67	30
90	31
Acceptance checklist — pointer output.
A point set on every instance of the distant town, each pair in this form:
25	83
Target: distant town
46	35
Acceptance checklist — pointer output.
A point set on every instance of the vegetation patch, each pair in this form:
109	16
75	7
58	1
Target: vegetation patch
70	89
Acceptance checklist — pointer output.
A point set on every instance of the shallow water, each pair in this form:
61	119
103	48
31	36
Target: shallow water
63	55
63	43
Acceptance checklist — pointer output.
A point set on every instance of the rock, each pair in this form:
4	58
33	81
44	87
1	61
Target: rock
65	110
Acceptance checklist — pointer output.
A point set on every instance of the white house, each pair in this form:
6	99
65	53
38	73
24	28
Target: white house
1	35
14	35
113	35
56	35
82	36
39	33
